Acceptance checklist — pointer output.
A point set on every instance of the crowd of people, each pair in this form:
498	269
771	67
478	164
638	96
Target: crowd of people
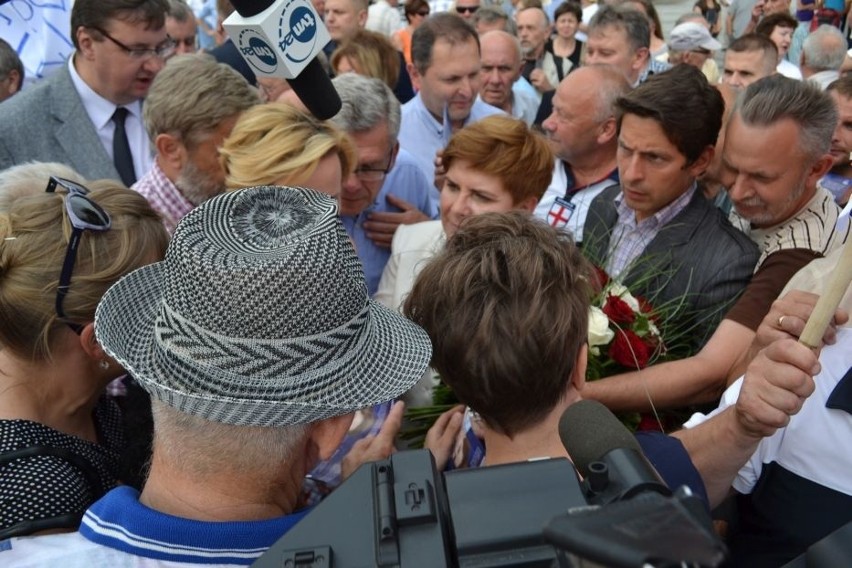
216	306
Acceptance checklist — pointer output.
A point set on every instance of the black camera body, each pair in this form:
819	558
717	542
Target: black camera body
401	512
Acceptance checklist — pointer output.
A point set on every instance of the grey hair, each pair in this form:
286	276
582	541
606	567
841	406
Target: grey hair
31	178
205	447
775	98
179	10
824	49
493	13
193	95
367	102
613	85
629	19
9	61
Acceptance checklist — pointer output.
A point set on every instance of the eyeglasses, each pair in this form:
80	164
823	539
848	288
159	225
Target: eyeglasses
469	9
84	214
162	51
423	14
372	175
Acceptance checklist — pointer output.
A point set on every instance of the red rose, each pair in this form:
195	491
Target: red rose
628	350
618	311
646	308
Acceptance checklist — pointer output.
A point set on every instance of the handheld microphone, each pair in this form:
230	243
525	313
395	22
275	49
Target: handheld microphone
606	454
282	38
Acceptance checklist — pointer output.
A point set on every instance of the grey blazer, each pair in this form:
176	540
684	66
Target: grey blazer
48	123
698	256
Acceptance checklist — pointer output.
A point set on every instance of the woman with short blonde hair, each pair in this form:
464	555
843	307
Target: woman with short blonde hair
278	144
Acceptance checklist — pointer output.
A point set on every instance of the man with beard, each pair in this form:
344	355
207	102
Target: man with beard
88	114
192	106
445	72
776	148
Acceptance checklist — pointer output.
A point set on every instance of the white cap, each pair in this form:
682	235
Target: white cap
690	36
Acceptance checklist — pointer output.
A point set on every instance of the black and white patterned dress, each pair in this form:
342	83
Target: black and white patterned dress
54	485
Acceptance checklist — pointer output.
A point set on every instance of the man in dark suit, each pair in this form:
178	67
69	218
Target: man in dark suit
88	115
656	232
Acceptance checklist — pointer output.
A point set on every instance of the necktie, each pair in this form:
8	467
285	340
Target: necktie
121	156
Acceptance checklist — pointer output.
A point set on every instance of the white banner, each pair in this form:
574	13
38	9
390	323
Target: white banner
39	31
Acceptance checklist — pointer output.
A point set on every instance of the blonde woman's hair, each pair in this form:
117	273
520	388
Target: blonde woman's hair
31	178
34	234
372	54
276	141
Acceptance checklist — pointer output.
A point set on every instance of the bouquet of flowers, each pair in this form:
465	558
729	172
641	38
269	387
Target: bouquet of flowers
623	333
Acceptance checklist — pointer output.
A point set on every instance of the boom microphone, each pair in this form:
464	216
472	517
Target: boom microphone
606	454
282	38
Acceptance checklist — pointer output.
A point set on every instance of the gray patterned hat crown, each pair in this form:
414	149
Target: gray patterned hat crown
259	315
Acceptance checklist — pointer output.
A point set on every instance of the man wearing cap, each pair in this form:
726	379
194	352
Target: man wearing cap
692	44
253	375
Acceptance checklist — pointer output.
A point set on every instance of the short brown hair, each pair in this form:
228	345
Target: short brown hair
777	20
506	306
451	28
98	13
687	108
507	148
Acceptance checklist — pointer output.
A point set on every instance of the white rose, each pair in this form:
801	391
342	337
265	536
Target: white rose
599	331
620	290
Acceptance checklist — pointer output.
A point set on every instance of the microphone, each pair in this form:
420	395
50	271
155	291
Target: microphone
606	454
282	38
636	522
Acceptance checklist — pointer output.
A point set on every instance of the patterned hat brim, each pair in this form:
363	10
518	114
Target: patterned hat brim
384	360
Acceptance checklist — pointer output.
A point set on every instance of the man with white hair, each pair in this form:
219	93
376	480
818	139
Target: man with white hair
501	75
253	378
822	55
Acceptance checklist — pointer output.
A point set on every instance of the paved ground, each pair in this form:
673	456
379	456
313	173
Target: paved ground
671	10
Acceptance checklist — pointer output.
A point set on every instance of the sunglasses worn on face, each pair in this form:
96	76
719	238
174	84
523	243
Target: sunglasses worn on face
469	9
84	215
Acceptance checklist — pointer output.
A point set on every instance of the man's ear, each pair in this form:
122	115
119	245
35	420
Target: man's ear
393	155
327	435
362	18
640	58
700	165
818	169
15	82
608	130
85	41
415	76
171	154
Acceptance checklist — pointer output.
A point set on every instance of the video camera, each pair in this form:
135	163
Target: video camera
401	512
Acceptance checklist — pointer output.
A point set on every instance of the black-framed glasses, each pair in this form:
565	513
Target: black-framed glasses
163	51
468	9
423	14
84	215
374	174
